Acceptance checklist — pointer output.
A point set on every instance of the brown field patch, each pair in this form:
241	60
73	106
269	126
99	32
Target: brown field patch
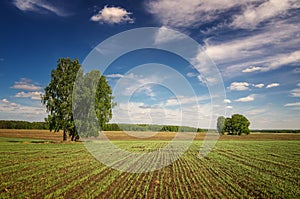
119	135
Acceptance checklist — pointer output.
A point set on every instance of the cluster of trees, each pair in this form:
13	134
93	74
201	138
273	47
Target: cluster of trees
60	105
11	124
236	125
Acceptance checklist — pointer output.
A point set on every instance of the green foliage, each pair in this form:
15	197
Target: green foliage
58	96
11	124
220	124
92	109
60	104
103	102
236	125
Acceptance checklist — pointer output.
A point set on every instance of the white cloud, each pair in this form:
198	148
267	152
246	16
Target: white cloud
293	104
181	100
256	111
229	107
4	100
235	54
227	101
253	15
11	110
112	15
25	84
272	85
296	92
40	6
139	112
36	95
115	75
191	74
258	85
182	13
246	99
252	69
285	59
239	86
165	35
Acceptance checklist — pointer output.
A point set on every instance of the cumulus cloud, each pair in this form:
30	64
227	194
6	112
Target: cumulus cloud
12	110
252	69
258	85
39	6
26	84
36	95
239	86
227	101
246	99
272	85
112	15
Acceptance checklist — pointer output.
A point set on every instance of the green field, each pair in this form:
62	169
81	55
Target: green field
234	169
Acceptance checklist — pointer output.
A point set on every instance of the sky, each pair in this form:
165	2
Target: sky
254	44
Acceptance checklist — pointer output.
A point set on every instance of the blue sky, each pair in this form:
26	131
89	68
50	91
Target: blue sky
254	44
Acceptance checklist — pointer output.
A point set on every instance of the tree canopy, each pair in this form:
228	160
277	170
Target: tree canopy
236	125
58	97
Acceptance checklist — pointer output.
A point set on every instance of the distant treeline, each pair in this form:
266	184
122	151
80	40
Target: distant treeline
276	131
11	124
150	127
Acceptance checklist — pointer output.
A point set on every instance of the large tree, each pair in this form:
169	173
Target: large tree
236	125
92	109
58	97
240	124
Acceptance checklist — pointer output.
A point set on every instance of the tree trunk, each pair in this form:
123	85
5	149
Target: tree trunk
72	137
65	135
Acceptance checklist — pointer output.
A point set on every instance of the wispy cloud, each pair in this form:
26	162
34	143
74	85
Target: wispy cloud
252	69
115	75
36	95
293	104
246	99
26	84
183	14
272	85
112	15
40	6
296	92
254	14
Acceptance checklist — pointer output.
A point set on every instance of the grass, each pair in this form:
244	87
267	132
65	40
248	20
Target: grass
37	168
